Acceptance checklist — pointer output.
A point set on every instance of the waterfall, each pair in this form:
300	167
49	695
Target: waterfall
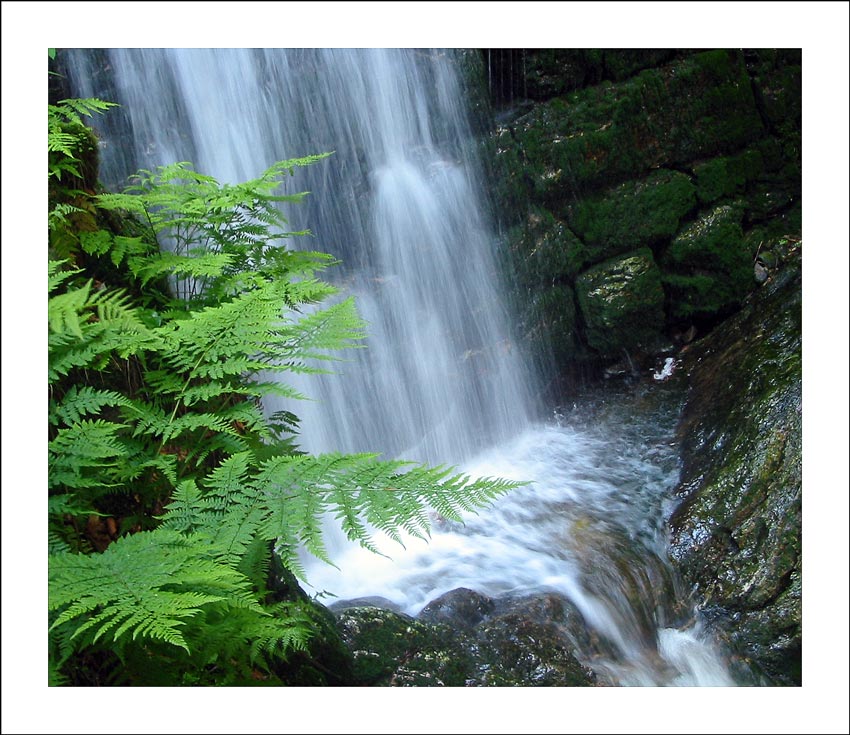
398	203
441	379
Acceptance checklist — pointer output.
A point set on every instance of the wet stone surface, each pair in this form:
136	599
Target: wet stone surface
737	534
465	638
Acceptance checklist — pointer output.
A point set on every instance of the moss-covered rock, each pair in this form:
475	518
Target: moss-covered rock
778	84
462	608
623	63
621	303
545	250
736	536
633	215
726	176
533	641
697	107
708	268
541	74
553	72
550	323
326	661
694	154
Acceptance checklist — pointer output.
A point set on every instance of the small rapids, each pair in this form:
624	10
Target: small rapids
590	526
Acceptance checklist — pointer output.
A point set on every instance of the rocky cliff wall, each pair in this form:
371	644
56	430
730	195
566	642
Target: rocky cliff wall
642	193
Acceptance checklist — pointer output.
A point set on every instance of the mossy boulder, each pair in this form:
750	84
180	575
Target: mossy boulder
533	641
549	323
553	72
326	660
778	84
633	215
708	267
461	608
622	304
621	64
736	536
545	250
541	74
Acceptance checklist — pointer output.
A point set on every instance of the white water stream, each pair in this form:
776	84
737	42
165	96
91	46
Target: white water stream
441	381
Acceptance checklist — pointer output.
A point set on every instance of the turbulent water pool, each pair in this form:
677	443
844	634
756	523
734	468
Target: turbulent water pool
590	526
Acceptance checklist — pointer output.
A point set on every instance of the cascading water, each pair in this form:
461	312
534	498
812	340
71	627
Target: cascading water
441	380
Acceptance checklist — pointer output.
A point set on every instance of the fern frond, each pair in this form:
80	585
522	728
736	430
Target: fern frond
56	276
205	265
79	402
80	450
145	584
288	628
74	109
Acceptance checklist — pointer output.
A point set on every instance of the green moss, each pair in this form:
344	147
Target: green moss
696	107
779	93
551	323
737	537
726	176
545	250
623	63
394	649
708	266
634	214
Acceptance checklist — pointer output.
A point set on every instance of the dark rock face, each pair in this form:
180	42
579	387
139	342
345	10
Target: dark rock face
462	608
694	155
393	649
464	638
736	536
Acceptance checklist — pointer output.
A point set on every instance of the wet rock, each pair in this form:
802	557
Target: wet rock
727	176
465	638
708	269
371	601
736	536
617	151
393	649
546	250
460	608
622	303
696	107
327	660
534	641
550	322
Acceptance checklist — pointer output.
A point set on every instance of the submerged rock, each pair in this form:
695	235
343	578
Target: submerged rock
737	534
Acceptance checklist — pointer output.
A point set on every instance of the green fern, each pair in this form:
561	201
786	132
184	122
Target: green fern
160	453
148	584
